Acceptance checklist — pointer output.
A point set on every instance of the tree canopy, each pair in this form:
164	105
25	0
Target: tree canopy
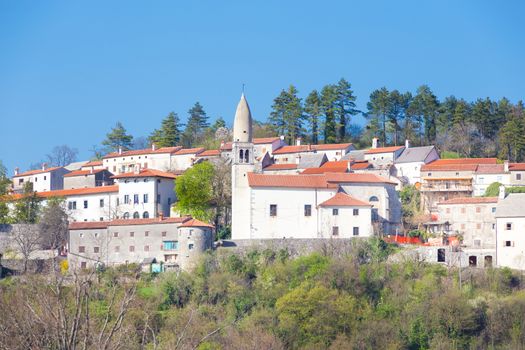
118	138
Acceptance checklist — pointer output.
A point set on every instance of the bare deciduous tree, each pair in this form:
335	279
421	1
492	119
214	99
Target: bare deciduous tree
26	240
62	155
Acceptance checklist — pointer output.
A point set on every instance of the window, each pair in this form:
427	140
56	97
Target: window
115	234
145	198
72	205
164	234
126	215
170	245
126	199
20	181
493	226
45	177
169	200
146	248
81	235
457	173
488	261
101	218
518	176
83	265
373	199
375	215
145	215
96	250
335	231
273	209
356	231
335	212
190	246
477	242
356	212
448	210
247	156
101	203
441	255
135	199
307	210
131	248
132	234
136	215
114	169
429	174
81	249
85	204
36	179
158	199
508	226
478	210
472	261
494	209
241	156
146	234
508	244
117	249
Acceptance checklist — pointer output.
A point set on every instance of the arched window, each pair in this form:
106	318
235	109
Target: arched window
145	215
126	215
241	156
136	215
373	199
247	156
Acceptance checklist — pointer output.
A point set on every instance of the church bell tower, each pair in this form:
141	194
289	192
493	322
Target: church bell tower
242	164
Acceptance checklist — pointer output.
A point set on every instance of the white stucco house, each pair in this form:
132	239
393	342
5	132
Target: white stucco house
44	179
510	228
408	164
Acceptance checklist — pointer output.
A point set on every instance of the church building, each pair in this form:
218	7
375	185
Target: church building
331	205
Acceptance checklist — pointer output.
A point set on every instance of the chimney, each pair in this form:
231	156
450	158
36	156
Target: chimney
44	166
298	141
349	167
506	166
120	150
91	170
153	146
407	143
298	159
374	142
17	170
501	192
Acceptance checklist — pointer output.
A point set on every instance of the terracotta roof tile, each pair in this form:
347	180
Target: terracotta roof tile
360	165
390	149
93	163
516	166
263	140
465	164
37	171
196	223
88	225
150	221
146	173
311	148
189	151
286	166
327	180
343	200
490	169
138	152
83	172
210	153
356	178
470	200
78	191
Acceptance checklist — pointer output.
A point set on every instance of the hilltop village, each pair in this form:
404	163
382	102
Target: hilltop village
122	208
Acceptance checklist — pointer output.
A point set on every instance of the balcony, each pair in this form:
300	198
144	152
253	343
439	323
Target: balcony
446	184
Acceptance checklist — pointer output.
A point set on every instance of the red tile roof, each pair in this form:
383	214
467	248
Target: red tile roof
227	146
360	165
37	171
83	172
78	191
327	180
390	149
286	166
470	200
312	148
146	173
344	200
196	223
150	221
490	169
516	166
88	225
93	163
210	153
465	164
138	152
189	151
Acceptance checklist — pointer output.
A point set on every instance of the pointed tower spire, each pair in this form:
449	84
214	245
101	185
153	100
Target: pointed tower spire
242	124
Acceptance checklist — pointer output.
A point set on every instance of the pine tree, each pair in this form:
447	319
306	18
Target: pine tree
512	135
197	123
286	116
379	107
396	114
426	105
345	108
118	138
312	108
170	131
329	108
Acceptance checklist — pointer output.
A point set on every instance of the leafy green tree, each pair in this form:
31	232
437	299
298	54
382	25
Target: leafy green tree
346	108
196	125
485	117
195	191
312	109
287	114
512	135
27	208
118	138
329	97
492	190
169	134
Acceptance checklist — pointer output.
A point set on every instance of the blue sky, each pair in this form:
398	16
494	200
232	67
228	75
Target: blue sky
69	69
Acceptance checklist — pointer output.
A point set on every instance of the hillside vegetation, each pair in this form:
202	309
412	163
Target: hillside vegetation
268	300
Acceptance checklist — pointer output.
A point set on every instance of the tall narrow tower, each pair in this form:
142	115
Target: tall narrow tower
243	163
